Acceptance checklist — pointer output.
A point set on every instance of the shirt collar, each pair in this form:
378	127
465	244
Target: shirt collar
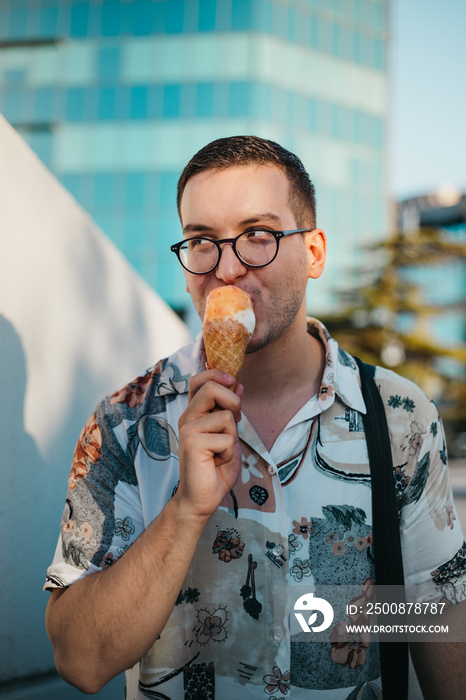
340	375
339	378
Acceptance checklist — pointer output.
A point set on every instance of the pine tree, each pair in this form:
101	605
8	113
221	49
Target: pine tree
386	321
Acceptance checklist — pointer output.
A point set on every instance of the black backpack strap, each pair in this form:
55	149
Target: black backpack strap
388	562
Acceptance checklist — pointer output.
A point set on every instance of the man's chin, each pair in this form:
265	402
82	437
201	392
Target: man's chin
256	344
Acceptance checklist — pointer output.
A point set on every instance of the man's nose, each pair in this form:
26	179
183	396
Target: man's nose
230	267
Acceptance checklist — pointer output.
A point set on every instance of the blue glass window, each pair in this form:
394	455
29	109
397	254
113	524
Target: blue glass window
335	121
204	100
147	17
135	189
111	19
239	102
134	234
18	23
118	190
303	28
346	124
379	54
191	16
188	100
379	16
168	183
27	114
261	99
48	21
291	35
155	101
63	19
79	20
312	115
345	43
280	20
123	102
33	21
86	190
174	16
241	15
221	99
313	32
43	108
75	104
12	105
324	35
94	24
346	9
324	118
71	183
171	101
366	12
379	132
41	144
207	15
103	190
108	61
367	132
4	23
223	16
91	103
106	109
366	50
278	106
152	189
14	76
167	273
138	102
300	111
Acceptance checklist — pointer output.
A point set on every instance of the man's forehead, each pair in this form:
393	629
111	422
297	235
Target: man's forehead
251	194
266	173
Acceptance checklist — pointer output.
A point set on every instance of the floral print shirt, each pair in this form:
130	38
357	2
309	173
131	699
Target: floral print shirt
299	513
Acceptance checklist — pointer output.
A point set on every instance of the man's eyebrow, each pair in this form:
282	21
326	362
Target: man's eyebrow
250	221
196	228
259	218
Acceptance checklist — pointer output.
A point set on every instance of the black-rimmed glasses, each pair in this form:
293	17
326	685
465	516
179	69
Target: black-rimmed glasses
254	248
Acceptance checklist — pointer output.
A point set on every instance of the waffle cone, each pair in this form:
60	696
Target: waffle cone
225	343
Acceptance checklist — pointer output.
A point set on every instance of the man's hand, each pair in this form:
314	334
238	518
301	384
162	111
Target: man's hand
147	579
210	453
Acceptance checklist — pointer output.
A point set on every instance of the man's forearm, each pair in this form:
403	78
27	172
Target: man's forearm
104	623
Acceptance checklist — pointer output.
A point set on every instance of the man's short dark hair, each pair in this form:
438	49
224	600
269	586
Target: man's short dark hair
252	150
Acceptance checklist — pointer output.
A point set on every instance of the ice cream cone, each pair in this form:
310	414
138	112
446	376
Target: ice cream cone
228	326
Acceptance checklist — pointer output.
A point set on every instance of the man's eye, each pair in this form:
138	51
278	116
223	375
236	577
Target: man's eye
257	233
199	244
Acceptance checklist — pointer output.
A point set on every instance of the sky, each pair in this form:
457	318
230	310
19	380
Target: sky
427	140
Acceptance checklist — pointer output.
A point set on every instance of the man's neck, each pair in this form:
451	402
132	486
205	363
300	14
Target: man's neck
279	379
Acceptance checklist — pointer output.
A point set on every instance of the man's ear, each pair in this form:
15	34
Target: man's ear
316	246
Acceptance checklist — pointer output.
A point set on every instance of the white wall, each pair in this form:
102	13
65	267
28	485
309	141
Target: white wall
76	323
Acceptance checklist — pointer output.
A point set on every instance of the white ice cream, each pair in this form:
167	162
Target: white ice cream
247	318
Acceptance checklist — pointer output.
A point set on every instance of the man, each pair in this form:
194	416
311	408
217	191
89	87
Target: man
192	521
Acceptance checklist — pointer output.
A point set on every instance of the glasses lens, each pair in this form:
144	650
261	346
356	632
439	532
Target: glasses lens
256	247
199	255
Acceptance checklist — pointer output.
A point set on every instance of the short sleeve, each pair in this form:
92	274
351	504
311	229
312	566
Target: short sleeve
434	551
102	515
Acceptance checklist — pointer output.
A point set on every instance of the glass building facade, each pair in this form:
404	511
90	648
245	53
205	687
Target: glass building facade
116	95
441	282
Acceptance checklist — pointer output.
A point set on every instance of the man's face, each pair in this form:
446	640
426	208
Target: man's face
225	203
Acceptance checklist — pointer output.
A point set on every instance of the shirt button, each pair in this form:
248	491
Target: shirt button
271	470
278	634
